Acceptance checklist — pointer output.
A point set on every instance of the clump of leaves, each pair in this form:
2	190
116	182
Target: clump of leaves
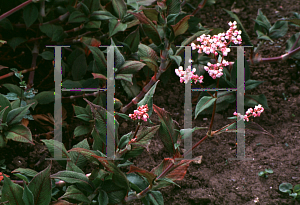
288	188
264	173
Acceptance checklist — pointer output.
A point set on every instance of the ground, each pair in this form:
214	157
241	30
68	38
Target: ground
217	180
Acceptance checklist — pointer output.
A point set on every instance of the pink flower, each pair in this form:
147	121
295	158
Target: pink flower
188	75
250	112
140	113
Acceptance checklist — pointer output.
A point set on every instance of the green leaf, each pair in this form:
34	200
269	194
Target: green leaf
15	42
156	197
131	67
125	164
74	178
86	153
79	67
285	187
102	198
6	106
263	36
250	84
296	188
73	193
151	13
152	64
116	26
204	103
93	25
78	159
279	29
148	99
72	167
77	17
26	171
118	176
82	130
132	90
30	14
144	173
146	51
56	146
47	55
262	18
12	192
245	35
137	183
119	58
80	110
133	40
270	171
12	96
166	132
120	8
100	114
19	133
27	196
182	26
45	97
16	115
6	24
85	9
152	33
14	89
291	42
40	186
56	33
101	15
177	59
69	84
114	192
126	77
253	100
174	7
295	22
99	59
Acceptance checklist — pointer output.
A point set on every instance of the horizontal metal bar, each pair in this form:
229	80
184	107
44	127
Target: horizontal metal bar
84	89
214	89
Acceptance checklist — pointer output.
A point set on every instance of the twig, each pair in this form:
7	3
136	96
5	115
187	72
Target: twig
200	6
12	73
17	8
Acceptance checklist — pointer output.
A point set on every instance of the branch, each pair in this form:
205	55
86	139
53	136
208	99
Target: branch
200	6
12	73
17	8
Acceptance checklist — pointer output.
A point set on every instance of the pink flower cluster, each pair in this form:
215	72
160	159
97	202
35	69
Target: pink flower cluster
140	113
188	75
215	70
250	112
218	42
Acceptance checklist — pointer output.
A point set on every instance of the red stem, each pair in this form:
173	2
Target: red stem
17	8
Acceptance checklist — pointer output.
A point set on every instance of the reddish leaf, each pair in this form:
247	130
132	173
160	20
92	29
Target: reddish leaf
141	17
181	26
100	76
166	131
177	172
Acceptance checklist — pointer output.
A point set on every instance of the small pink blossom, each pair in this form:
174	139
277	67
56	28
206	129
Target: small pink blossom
140	113
250	112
